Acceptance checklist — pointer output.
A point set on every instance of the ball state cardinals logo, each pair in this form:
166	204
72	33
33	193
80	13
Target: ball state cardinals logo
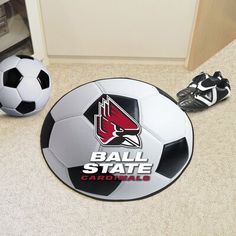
114	126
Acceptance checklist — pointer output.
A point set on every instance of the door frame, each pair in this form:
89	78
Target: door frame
36	30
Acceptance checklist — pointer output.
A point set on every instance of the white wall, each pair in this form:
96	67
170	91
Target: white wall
124	28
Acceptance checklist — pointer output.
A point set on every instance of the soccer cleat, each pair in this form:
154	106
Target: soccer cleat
192	86
208	92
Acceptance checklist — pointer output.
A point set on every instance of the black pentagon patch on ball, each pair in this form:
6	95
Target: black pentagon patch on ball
26	107
43	79
25	57
173	158
130	105
12	78
46	130
105	187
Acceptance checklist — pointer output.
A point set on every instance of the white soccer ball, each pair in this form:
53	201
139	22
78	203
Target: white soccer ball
25	85
117	139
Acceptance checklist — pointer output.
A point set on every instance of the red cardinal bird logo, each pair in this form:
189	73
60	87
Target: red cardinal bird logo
114	126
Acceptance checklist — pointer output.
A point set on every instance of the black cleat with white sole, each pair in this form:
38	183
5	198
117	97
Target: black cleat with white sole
207	93
192	86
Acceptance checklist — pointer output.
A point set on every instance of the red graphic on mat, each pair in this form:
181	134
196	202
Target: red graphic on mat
114	126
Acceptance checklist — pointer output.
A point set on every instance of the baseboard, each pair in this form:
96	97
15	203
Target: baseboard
116	60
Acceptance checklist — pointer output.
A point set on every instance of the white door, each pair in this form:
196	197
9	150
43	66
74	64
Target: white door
112	28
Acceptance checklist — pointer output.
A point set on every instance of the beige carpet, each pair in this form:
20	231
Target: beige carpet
202	202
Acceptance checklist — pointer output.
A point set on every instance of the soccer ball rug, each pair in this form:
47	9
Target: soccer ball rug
25	85
117	139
